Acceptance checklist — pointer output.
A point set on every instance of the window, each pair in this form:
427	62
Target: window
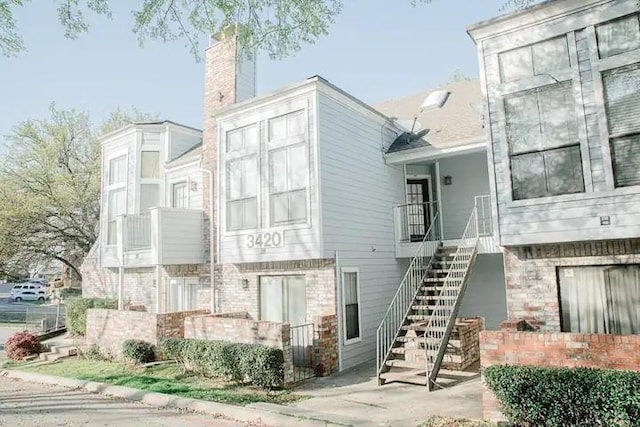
183	294
619	36
283	299
288	177
115	206
351	301
544	146
600	300
149	196
537	59
150	164
286	126
242	138
622	105
118	170
242	192
179	195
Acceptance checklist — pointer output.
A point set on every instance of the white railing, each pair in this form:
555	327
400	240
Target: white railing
137	232
395	316
443	315
413	220
484	215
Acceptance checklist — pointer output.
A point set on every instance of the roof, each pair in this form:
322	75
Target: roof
192	154
457	123
134	125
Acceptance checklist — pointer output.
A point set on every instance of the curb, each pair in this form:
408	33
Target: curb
269	414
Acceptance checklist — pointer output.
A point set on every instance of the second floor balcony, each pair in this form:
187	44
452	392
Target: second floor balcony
163	236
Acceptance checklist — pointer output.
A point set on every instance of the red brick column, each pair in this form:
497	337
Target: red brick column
326	345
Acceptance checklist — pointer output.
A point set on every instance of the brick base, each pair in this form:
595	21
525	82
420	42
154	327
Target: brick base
554	349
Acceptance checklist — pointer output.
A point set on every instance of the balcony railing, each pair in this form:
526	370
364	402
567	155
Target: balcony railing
414	220
138	232
484	216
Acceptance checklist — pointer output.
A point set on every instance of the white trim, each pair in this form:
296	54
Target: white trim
432	153
439	189
314	144
356	270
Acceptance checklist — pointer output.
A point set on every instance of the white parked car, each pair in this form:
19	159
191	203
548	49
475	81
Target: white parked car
29	295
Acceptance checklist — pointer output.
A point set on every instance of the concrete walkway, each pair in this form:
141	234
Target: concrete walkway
355	394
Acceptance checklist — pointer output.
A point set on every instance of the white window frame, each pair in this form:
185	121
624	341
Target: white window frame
357	339
149	181
172	184
184	282
501	91
109	188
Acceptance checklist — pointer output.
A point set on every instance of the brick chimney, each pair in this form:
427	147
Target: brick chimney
229	78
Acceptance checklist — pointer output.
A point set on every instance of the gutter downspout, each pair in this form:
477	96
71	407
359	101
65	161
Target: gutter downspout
339	309
212	302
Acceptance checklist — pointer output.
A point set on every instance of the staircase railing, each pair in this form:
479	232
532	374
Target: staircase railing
399	308
443	316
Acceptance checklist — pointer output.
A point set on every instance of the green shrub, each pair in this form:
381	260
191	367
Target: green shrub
257	364
541	396
77	312
138	351
66	293
94	352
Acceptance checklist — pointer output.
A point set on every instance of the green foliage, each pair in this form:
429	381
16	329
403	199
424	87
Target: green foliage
77	312
94	352
259	365
66	293
549	397
50	189
22	344
138	351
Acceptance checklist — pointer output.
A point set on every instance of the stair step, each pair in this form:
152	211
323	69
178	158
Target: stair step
422	327
424	317
420	307
443	271
398	363
412	376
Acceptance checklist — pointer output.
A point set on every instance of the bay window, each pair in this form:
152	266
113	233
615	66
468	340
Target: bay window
544	146
149	180
116	195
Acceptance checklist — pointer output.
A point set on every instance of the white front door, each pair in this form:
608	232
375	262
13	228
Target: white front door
283	299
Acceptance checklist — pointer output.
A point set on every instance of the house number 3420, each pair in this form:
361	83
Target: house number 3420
264	240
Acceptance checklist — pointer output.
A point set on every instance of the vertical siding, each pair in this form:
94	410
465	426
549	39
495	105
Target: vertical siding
358	191
470	178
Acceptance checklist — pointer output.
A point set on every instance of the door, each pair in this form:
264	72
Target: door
283	299
419	209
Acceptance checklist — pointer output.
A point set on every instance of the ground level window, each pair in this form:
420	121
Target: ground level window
351	300
600	299
183	294
283	299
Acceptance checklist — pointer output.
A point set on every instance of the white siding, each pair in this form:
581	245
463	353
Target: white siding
573	217
358	191
181	142
181	236
300	241
190	174
485	295
470	178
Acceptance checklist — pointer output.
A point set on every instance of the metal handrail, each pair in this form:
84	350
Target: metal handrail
414	219
400	305
443	315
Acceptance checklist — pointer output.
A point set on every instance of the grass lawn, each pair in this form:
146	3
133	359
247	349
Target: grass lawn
167	379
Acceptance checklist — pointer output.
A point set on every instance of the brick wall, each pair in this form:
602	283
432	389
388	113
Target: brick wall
111	328
531	278
326	345
236	295
98	282
466	334
241	329
554	349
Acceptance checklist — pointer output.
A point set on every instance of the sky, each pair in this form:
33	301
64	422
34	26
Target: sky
374	51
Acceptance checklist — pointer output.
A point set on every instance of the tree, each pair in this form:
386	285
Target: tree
50	189
279	27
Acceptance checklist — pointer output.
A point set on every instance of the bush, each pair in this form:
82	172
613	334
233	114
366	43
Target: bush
254	363
77	312
540	396
22	344
94	353
138	351
66	293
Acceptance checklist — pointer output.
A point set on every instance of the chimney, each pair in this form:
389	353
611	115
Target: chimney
229	78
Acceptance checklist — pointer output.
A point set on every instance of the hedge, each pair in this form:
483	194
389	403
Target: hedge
257	364
138	351
77	312
549	397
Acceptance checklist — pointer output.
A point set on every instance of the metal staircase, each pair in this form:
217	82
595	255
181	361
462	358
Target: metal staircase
413	336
